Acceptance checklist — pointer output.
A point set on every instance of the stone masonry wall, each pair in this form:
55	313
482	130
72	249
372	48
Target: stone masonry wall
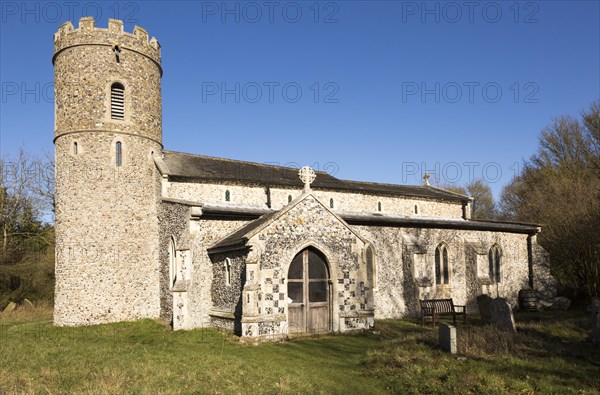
174	222
208	232
247	195
306	224
227	298
397	290
107	232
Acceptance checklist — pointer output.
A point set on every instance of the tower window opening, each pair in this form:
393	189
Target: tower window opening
289	198
117	51
379	206
416	209
227	196
117	101
331	203
75	148
118	154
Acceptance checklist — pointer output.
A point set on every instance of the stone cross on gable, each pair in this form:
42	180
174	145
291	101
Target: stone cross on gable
307	176
426	179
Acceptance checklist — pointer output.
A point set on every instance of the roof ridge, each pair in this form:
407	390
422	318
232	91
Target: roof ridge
243	161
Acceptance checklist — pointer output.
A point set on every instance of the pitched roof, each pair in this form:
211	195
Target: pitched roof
241	236
182	165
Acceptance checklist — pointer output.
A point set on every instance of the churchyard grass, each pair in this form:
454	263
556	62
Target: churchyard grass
549	354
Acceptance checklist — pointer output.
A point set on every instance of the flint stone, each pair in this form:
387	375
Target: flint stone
484	305
502	315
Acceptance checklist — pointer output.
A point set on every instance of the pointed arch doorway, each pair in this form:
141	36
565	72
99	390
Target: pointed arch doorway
309	291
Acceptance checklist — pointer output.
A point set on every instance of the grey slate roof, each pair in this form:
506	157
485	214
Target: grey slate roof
189	166
239	237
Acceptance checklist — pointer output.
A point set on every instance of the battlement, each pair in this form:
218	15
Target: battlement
114	34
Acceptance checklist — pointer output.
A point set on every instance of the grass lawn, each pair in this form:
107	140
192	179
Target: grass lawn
548	355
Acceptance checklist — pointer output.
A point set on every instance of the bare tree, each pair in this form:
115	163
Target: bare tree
26	187
484	206
560	188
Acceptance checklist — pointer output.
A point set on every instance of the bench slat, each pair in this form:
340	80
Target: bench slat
440	307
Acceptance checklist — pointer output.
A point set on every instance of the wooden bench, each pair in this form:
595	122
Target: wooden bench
435	308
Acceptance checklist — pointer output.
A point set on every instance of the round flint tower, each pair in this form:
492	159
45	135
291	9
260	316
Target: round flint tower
108	128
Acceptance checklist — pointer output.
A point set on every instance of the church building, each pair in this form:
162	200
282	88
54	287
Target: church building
262	251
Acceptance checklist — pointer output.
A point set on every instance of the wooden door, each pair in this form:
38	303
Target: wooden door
308	293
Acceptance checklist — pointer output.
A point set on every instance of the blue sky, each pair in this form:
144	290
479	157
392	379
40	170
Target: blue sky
368	90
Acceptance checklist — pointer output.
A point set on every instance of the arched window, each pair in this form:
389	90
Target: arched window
442	271
172	262
331	203
227	267
494	257
75	148
118	154
117	101
370	261
379	206
227	196
289	198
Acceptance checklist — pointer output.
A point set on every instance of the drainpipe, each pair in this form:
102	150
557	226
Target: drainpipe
530	258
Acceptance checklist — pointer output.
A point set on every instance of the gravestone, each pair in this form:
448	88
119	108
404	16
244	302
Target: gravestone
595	320
561	303
447	336
10	308
484	305
502	315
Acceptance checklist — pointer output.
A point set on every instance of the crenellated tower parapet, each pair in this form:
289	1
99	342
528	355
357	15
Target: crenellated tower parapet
87	33
88	62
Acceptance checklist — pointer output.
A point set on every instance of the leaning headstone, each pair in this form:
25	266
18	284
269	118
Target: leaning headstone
502	315
448	337
561	303
484	305
27	304
595	320
10	308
